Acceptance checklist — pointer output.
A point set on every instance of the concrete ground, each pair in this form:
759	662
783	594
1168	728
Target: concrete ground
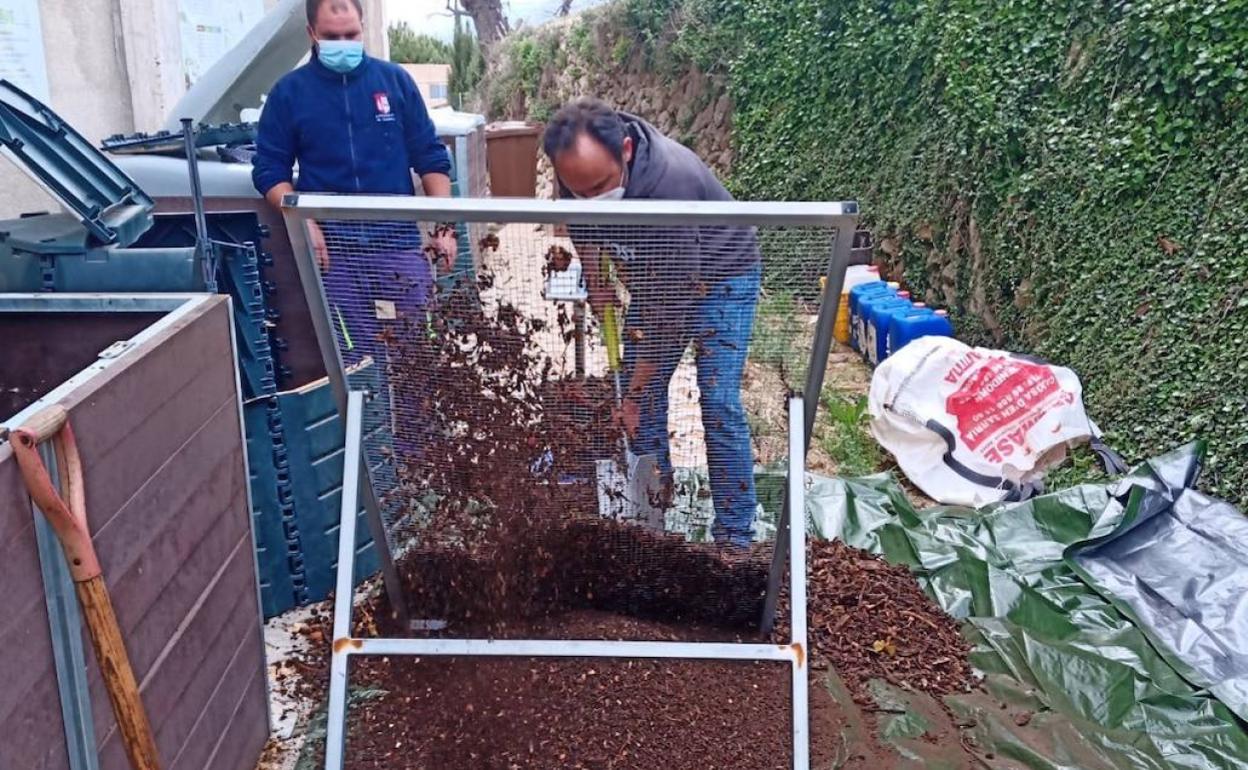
284	643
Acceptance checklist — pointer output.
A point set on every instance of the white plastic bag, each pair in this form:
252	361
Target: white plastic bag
972	426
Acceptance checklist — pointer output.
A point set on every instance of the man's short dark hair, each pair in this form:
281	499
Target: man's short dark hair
314	7
585	116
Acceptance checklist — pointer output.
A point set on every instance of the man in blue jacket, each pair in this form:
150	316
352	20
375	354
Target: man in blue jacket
355	124
686	285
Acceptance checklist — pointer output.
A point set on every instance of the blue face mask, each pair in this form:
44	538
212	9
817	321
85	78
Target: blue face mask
340	55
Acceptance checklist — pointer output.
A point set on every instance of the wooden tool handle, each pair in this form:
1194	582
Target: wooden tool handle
46	423
69	520
119	681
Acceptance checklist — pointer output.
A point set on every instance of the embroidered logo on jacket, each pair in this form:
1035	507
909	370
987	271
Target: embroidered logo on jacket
382	102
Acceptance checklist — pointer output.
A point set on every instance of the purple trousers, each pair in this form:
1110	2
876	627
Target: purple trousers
390	293
376	304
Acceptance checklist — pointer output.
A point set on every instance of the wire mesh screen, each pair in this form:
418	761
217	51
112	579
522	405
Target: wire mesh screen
590	417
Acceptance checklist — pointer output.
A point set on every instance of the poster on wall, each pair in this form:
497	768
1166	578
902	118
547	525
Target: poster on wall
21	47
210	28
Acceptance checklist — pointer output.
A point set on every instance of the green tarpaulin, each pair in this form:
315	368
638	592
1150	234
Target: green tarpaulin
1057	641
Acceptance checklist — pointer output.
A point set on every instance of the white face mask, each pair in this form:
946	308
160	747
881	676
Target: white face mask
610	195
616	194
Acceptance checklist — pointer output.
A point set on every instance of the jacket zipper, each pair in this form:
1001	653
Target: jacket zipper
346	102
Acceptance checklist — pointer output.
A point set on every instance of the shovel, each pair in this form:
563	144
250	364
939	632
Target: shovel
627	485
69	521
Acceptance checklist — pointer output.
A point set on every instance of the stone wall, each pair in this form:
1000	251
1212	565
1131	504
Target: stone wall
535	71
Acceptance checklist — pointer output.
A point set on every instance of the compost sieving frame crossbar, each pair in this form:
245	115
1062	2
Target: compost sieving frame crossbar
345	646
789	553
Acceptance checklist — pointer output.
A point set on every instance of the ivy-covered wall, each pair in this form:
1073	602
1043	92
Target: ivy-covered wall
1071	178
598	53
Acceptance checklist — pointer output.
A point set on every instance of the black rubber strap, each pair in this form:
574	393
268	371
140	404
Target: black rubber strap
1014	492
1111	461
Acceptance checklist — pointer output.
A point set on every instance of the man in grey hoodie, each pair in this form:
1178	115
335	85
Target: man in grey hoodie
686	285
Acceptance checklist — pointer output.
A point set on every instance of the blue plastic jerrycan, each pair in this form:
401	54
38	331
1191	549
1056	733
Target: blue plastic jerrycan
863	326
908	327
857	298
883	325
876	315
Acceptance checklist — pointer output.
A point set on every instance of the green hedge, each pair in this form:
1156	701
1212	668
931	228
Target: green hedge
1070	178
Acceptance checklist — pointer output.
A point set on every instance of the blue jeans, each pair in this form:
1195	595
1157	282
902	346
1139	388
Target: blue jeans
720	329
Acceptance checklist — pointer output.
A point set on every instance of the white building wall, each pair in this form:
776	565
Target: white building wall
86	69
115	67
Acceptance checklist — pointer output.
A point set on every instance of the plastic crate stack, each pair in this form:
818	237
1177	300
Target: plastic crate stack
240	272
295	452
279	547
295	449
294	445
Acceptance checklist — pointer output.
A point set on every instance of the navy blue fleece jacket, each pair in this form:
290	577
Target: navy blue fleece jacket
362	132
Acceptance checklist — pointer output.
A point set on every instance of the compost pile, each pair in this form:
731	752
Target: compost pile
480	446
585	563
868	619
543	713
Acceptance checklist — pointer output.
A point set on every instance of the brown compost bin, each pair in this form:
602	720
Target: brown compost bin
157	423
511	155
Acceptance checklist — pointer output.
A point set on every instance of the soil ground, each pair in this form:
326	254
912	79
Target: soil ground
869	621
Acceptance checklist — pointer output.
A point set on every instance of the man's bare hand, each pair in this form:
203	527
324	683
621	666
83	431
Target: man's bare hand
316	240
601	293
628	417
443	248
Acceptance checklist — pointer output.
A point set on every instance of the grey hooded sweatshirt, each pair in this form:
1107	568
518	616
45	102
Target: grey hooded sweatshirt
669	270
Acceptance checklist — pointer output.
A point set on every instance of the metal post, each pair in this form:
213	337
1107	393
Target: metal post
207	254
344	587
829	305
318	308
65	626
390	208
578	324
797	586
566	648
251	519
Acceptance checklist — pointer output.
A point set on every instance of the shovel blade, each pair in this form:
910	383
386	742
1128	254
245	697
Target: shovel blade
645	485
632	493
